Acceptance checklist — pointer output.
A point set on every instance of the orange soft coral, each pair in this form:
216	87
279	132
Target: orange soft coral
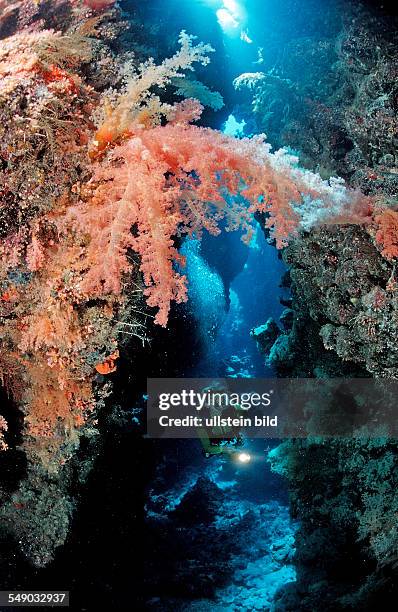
387	233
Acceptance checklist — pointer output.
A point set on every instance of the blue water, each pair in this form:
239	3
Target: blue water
254	295
225	315
232	289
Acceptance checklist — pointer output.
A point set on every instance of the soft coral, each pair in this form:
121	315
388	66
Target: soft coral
172	180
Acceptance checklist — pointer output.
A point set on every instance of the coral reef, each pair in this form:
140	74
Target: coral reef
103	176
344	320
90	180
333	97
69	278
54	345
345	308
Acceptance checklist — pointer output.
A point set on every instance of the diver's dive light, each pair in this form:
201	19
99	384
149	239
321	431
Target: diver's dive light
244	457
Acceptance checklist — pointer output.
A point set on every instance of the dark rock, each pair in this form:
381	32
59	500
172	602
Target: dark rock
286	318
266	335
200	504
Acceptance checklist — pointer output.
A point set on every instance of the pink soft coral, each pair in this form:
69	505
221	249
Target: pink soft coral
169	181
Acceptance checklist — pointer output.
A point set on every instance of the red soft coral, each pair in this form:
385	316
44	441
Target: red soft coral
99	5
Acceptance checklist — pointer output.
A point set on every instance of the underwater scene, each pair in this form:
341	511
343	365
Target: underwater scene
198	200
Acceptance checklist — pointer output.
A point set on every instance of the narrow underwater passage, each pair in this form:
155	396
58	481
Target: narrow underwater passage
254	296
230	511
230	516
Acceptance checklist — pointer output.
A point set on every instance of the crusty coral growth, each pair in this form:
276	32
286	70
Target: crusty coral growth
387	233
67	51
3	428
18	58
56	347
43	152
42	142
34	254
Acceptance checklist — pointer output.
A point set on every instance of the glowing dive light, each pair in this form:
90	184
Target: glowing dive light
244	457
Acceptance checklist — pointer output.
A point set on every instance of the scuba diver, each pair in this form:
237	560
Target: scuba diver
220	440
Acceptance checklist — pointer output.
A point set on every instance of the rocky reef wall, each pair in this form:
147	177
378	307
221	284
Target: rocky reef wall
343	313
